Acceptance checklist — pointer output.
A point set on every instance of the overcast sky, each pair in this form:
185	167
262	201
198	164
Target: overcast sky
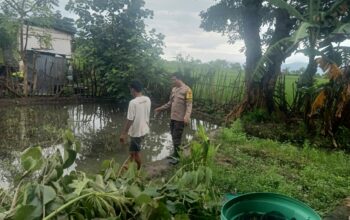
179	21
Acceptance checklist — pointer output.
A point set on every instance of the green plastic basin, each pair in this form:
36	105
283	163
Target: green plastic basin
266	206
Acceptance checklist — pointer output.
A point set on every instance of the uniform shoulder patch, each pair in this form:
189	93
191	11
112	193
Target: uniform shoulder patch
189	94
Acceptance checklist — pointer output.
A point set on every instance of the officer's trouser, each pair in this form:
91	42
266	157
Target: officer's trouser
176	130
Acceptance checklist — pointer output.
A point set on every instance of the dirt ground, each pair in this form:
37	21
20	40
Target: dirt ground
342	212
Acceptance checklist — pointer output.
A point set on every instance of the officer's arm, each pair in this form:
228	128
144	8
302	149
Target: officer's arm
189	100
167	105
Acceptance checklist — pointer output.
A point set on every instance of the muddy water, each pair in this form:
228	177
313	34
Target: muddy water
97	126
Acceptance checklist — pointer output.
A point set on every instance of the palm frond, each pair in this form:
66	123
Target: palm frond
342	29
302	32
280	48
314	9
291	10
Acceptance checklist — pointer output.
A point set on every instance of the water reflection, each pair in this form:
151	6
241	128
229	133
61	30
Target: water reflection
97	126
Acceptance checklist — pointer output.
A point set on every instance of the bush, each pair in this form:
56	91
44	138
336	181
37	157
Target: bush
257	116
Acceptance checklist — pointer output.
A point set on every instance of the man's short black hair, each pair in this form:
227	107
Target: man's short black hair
136	85
177	75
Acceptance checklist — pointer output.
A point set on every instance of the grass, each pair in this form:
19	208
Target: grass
319	178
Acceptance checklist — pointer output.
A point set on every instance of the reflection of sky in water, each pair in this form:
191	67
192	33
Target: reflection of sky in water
157	145
96	126
81	124
8	168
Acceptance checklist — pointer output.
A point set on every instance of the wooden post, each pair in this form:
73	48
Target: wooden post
35	75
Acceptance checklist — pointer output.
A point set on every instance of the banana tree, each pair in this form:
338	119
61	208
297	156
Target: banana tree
321	23
318	21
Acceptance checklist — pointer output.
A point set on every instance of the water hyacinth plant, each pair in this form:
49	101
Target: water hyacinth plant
44	191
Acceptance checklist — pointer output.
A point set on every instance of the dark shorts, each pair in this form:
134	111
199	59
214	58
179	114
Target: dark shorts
135	144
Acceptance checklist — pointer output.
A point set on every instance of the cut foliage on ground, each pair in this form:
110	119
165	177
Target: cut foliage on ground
45	192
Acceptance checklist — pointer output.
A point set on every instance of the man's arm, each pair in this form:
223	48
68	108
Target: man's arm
125	130
129	120
189	100
165	106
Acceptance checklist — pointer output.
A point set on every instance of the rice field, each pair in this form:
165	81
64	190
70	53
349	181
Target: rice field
221	83
227	88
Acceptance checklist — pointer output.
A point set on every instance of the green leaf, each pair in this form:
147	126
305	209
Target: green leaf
69	157
77	216
28	163
151	191
171	206
291	10
68	135
343	29
25	212
99	181
31	159
105	165
182	217
143	199
161	212
314	10
79	185
49	194
134	191
302	32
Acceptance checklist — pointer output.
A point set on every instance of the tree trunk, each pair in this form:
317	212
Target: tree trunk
284	25
307	79
259	94
251	21
251	35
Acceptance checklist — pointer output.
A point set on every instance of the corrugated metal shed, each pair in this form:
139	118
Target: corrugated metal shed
51	72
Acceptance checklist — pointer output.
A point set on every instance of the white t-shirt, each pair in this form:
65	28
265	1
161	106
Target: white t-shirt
139	112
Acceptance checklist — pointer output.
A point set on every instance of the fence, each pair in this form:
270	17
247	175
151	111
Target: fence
85	82
223	88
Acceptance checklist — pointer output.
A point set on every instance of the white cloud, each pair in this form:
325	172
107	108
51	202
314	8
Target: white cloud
299	57
179	21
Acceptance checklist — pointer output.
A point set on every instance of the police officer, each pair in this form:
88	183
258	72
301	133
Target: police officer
180	102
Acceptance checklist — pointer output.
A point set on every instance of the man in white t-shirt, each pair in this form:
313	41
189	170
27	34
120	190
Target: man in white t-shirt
137	124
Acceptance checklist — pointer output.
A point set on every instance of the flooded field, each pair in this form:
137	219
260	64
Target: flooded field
96	126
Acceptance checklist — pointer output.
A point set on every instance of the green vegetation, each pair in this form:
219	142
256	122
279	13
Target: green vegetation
45	192
291	86
113	46
317	177
220	83
214	83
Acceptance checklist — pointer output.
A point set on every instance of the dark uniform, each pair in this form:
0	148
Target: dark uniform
181	107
